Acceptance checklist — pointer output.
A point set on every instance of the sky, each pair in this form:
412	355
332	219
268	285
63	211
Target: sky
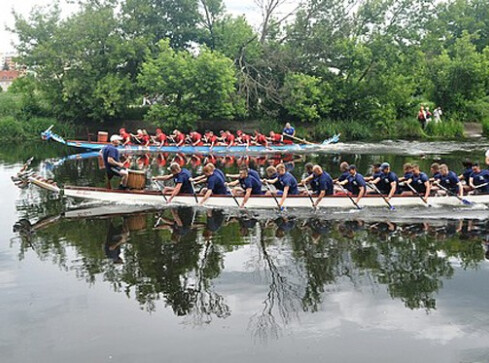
236	7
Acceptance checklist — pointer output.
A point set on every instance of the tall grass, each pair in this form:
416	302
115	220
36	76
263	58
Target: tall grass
447	129
485	126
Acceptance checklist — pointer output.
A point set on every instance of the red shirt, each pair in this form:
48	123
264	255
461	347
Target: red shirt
125	136
245	138
145	139
196	138
276	139
230	139
261	139
162	138
212	139
180	138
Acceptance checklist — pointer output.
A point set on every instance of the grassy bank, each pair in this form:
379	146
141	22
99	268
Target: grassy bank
22	120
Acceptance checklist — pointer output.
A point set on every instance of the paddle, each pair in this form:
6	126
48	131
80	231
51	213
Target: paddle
419	195
275	198
463	200
349	197
374	187
193	191
481	185
161	190
310	197
299	139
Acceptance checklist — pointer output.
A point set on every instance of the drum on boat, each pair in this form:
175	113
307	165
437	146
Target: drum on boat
137	179
102	136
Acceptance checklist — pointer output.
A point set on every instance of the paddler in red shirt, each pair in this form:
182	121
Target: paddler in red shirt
276	138
145	139
243	138
126	136
138	138
211	139
195	138
178	137
160	138
260	139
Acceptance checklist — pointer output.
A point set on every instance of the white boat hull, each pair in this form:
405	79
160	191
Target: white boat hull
155	198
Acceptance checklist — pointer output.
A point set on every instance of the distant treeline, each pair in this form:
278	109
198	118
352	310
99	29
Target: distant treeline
362	68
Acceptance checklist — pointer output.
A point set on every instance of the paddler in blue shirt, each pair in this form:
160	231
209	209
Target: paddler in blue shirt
355	182
288	131
321	183
479	180
248	186
375	172
420	182
449	180
288	183
387	182
181	177
215	184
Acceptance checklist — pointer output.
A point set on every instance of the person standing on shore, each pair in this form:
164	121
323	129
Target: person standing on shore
422	117
437	114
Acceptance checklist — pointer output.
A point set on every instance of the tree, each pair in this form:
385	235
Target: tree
188	88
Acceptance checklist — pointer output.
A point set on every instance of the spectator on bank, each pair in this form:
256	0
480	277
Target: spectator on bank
428	115
437	114
422	117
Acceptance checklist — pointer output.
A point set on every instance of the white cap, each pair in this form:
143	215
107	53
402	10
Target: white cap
115	137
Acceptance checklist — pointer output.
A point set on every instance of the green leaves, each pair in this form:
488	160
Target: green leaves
188	87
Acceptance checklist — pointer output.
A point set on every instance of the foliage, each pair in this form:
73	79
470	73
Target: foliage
363	67
485	126
187	87
447	129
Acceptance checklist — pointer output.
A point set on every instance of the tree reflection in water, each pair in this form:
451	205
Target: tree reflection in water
177	255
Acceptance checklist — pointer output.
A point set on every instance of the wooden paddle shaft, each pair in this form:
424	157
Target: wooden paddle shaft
299	139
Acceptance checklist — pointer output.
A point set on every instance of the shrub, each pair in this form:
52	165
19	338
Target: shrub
409	128
449	129
11	129
10	104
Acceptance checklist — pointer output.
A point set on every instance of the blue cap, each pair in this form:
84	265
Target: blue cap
384	166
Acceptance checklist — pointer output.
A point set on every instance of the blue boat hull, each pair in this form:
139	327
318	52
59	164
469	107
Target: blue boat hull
187	149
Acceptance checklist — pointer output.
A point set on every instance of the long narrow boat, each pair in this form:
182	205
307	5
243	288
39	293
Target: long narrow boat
155	198
188	149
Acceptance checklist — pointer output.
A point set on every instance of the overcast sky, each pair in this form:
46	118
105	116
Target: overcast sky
236	7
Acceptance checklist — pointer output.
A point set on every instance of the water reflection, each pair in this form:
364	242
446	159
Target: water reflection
178	256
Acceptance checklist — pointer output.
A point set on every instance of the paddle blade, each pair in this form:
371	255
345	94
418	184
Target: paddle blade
392	207
466	202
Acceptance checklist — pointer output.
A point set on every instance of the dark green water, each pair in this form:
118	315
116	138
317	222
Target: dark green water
188	285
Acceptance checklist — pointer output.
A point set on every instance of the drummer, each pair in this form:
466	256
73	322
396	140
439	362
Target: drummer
113	166
181	177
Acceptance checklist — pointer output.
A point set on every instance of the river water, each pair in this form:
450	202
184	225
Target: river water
81	282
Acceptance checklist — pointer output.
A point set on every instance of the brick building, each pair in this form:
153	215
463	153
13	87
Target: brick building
7	77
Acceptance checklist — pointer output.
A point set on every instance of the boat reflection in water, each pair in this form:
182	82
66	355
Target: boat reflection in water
178	256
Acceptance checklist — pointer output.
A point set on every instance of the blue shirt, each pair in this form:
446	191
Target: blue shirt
288	180
253	173
289	131
418	182
216	184
384	184
356	182
277	184
183	178
437	176
323	182
250	182
343	177
110	151
220	174
480	178
408	175
450	181
466	174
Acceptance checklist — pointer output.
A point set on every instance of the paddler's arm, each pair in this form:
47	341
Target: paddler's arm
232	176
246	197
175	192
233	183
361	193
284	195
319	198
306	180
206	196
460	189
428	190
163	177
270	181
471	183
393	190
